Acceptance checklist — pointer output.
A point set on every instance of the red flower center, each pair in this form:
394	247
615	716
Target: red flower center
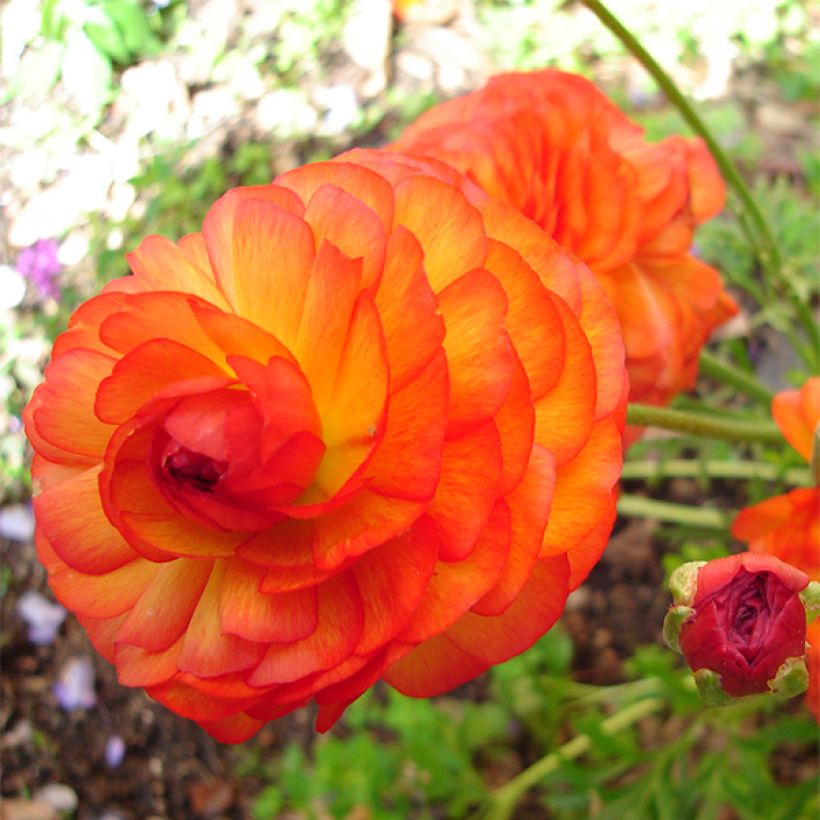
195	470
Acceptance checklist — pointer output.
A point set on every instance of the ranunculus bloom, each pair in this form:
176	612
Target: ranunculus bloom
746	621
366	424
553	146
788	526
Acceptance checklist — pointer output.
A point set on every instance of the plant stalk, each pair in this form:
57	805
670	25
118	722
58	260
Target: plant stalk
503	800
689	468
636	506
723	371
644	415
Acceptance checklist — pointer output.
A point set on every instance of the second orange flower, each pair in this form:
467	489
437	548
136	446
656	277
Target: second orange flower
554	147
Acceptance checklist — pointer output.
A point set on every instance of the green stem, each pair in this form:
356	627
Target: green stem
636	506
759	233
687	468
723	371
696	424
504	800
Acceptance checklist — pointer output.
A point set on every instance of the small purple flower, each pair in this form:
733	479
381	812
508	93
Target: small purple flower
75	688
42	617
114	751
39	264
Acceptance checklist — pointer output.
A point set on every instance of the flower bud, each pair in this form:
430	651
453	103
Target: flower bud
741	626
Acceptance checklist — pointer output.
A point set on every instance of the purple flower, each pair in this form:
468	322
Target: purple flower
42	617
75	688
39	264
114	751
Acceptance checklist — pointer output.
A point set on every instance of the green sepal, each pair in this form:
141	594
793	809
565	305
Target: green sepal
710	688
675	618
683	582
792	678
810	597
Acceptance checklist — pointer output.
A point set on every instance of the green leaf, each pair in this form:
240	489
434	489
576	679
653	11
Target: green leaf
108	41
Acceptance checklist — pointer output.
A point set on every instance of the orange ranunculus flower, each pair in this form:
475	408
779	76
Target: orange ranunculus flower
788	526
366	424
553	146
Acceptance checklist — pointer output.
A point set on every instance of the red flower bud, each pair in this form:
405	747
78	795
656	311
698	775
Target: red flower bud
747	620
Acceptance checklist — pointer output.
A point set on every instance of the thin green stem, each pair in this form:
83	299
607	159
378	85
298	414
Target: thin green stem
689	468
636	506
697	424
757	228
504	800
730	374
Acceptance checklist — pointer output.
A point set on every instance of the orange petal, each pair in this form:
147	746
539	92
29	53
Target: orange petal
392	580
365	521
160	265
797	414
553	266
515	422
363	184
251	614
433	667
535	609
451	234
339	630
162	614
760	519
206	650
271	257
349	225
602	329
238	336
479	353
218	227
583	489
147	316
563	416
141	667
232	729
529	307
147	371
469	485
84	325
413	329
457	586
103	596
407	463
475	643
584	556
530	503
332	291
73	521
60	419
196	705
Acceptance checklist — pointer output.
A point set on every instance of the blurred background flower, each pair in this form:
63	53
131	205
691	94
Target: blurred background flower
40	265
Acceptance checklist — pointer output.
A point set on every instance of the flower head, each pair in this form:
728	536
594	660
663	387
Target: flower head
366	424
741	625
39	264
553	146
